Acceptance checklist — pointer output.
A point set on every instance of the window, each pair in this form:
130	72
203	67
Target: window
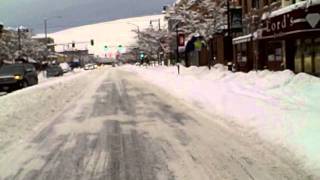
241	52
308	52
238	49
298	57
278	54
275	51
317	56
244	52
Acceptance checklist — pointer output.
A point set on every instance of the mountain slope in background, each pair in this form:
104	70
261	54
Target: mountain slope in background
74	13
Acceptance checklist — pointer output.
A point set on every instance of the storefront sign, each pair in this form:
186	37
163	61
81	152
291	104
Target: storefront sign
280	24
303	19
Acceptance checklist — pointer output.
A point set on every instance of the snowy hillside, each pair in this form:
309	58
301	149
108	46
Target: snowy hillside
112	34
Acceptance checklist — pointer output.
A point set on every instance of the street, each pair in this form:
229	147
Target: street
121	127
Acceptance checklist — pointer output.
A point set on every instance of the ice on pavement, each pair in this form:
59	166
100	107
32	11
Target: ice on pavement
280	106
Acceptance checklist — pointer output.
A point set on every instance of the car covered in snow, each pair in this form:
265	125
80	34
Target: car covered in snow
17	76
65	67
54	70
89	66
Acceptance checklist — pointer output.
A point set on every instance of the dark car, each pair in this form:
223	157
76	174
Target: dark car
54	71
17	76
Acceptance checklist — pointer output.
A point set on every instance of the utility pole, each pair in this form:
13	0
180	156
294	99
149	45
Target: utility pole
229	37
228	17
46	38
46	32
177	41
177	50
19	39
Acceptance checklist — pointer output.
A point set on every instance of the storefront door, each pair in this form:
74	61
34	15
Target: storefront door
275	55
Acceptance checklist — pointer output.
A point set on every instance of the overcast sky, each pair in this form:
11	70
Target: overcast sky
31	13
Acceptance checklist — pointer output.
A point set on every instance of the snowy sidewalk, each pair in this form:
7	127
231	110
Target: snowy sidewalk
281	107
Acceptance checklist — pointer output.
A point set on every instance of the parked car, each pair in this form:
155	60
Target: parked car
54	71
65	67
17	76
89	67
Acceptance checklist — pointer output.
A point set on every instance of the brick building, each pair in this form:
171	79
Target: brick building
279	35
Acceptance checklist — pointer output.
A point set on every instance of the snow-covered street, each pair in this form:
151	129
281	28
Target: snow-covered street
136	123
280	107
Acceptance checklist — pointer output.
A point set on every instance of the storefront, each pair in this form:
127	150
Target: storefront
243	52
290	38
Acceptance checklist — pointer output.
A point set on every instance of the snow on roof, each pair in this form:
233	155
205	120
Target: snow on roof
242	39
298	5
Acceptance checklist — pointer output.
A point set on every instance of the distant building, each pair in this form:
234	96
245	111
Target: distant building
49	41
82	56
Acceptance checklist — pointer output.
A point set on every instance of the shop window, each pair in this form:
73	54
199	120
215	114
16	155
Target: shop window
308	52
241	53
275	52
244	52
298	57
278	54
317	56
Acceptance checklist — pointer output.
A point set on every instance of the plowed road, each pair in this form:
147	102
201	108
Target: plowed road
122	128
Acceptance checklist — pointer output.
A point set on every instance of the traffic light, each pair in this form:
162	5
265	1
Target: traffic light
92	42
73	44
106	48
121	49
142	55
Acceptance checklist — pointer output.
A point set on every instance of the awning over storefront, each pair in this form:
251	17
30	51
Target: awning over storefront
242	39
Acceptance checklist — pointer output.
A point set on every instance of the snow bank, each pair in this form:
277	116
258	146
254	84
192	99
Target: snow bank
280	106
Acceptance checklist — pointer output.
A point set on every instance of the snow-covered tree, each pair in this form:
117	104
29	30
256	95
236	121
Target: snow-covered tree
9	46
204	17
150	42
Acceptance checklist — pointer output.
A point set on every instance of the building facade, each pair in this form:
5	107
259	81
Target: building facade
279	35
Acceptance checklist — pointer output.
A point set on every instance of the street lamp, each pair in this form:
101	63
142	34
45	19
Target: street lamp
46	26
46	30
